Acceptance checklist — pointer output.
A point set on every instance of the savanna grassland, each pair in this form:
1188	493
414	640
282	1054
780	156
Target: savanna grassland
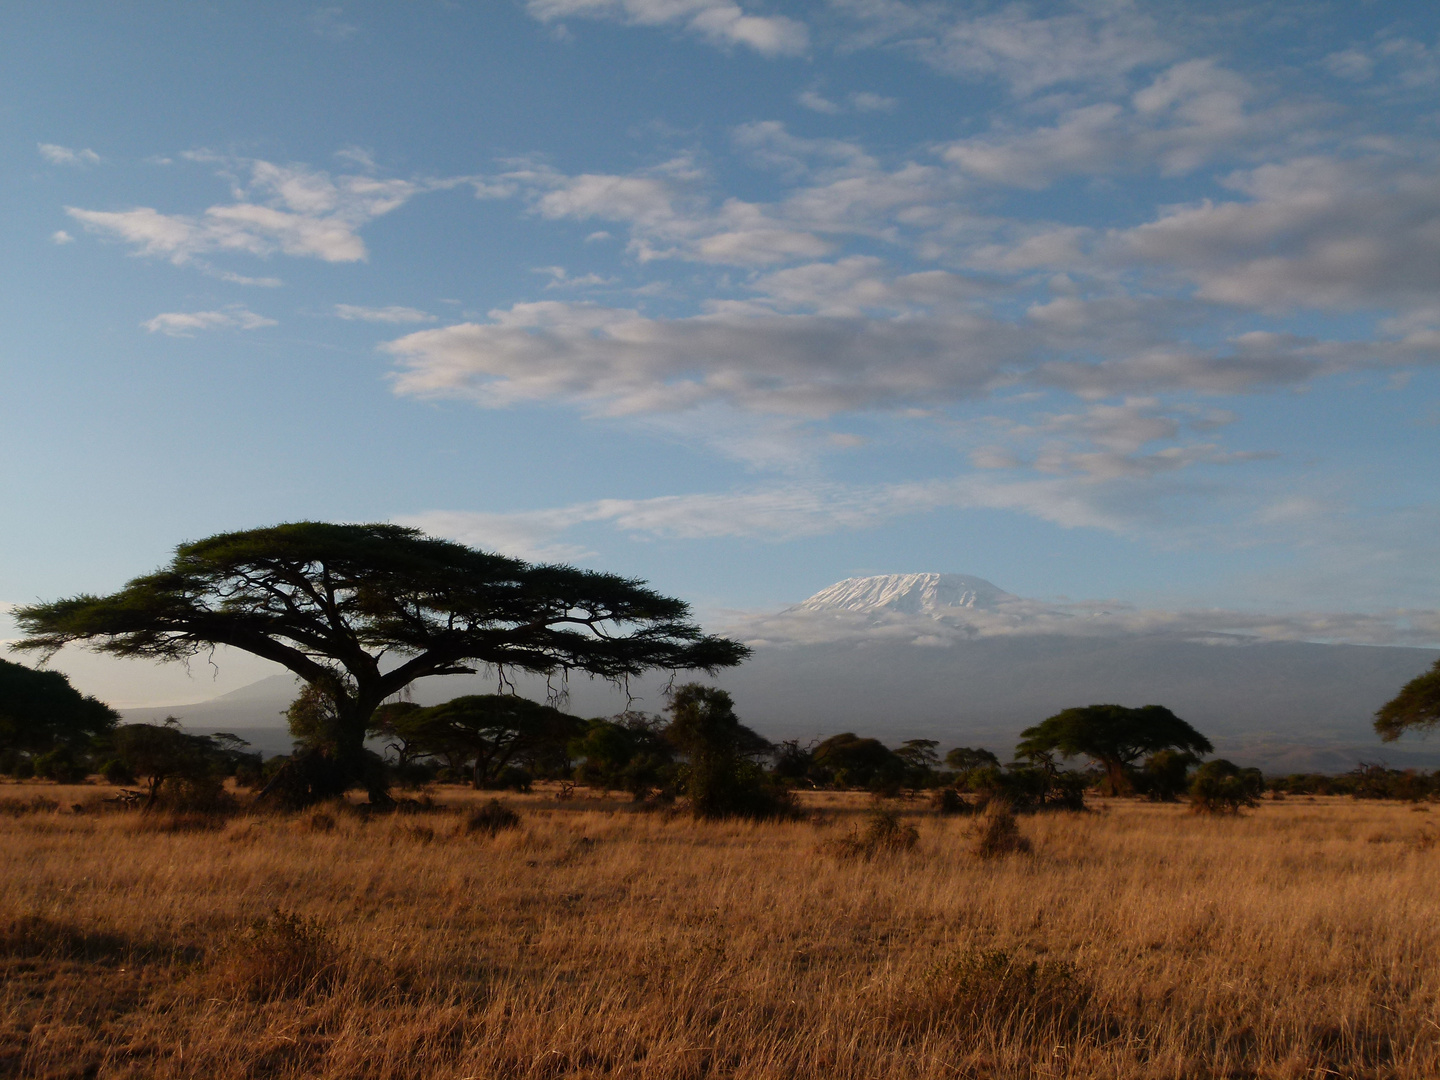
1134	940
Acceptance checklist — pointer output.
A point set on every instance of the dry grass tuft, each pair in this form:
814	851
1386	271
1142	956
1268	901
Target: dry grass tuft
492	818
884	834
1000	994
996	833
35	804
283	955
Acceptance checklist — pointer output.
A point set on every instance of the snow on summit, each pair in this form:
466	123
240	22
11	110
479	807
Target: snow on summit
912	594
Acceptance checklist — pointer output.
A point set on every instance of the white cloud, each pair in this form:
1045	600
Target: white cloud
292	209
864	101
60	236
773	515
186	323
1315	232
329	22
241	279
721	22
63	155
1188	114
1094	43
391	314
817	102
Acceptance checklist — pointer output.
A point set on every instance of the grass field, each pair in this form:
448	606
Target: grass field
1136	940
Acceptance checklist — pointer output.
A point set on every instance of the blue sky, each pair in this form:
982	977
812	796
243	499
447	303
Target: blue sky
1122	301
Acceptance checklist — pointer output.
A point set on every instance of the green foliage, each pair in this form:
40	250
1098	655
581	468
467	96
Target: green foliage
1113	736
848	761
792	762
1029	786
40	712
488	733
182	771
624	753
1222	787
63	765
721	776
963	759
1165	775
326	601
1415	708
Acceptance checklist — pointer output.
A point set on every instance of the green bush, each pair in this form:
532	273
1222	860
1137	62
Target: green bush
1222	787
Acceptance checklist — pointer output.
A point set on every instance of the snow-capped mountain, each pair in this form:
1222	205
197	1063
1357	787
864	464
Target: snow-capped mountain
914	594
956	658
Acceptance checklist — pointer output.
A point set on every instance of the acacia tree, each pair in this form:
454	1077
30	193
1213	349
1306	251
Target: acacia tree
1417	706
1112	736
40	711
361	611
489	730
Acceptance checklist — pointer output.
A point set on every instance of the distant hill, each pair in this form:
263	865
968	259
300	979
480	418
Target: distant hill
958	659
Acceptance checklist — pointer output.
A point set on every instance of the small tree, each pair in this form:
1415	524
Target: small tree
166	755
625	752
722	776
1415	708
1222	787
1112	736
850	761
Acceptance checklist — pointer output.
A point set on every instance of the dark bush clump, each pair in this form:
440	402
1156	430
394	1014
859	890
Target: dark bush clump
996	832
492	818
947	801
117	773
884	834
1222	787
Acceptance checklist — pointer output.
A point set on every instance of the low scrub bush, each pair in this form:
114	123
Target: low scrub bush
883	834
283	955
947	801
492	818
996	833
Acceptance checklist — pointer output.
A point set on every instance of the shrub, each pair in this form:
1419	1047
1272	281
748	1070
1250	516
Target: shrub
996	832
117	773
280	956
492	818
883	834
947	801
1222	787
61	765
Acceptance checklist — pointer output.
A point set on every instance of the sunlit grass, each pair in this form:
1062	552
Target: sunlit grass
1135	940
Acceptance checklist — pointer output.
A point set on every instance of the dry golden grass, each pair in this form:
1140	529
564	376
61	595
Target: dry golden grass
1299	939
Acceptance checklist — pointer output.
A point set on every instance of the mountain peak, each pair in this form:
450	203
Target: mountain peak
916	594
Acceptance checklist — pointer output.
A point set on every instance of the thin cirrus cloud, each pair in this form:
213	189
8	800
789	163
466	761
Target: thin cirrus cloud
188	323
774	515
64	155
290	209
720	22
1097	44
391	314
